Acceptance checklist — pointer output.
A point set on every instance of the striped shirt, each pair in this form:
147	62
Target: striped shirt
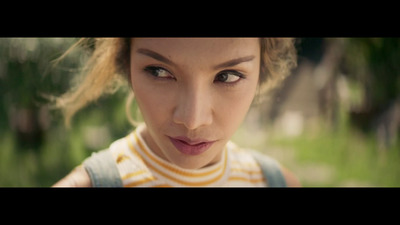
138	166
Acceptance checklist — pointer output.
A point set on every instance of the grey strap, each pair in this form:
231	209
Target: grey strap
271	170
102	170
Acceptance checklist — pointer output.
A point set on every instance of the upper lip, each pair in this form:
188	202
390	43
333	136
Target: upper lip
191	141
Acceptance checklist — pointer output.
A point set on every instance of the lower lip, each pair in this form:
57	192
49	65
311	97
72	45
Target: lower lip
187	149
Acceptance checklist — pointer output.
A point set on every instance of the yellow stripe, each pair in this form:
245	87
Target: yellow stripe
129	175
133	150
246	171
161	185
245	164
234	178
203	183
121	157
137	183
168	167
184	182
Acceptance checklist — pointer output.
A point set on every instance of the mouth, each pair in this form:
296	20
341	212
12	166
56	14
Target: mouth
190	147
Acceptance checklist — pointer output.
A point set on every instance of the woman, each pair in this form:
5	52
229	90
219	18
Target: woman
193	94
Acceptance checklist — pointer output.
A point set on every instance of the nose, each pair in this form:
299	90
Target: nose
194	108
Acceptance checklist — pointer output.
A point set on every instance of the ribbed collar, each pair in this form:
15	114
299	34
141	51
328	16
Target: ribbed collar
211	175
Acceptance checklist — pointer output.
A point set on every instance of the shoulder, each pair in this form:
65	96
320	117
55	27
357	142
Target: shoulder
275	170
85	174
290	177
78	177
99	169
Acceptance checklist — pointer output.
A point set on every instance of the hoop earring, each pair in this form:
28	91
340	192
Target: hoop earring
128	107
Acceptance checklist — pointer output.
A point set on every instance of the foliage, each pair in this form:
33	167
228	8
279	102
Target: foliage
374	62
37	150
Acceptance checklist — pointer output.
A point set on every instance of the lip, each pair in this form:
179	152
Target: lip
190	147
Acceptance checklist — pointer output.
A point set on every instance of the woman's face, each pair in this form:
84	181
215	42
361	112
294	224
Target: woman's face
193	94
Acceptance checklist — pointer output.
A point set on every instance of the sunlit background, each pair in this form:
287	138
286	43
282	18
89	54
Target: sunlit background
334	122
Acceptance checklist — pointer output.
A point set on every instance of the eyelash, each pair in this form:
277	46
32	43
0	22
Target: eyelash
152	70
233	72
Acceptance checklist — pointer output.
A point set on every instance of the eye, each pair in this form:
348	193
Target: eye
158	72
228	76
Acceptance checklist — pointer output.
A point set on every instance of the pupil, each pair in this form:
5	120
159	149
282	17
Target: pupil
156	72
223	77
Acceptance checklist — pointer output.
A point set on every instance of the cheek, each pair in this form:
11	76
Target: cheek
231	109
153	103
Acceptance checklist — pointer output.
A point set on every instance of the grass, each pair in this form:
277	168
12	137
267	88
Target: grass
328	156
353	156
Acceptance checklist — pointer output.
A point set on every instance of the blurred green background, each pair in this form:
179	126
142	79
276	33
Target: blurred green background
334	122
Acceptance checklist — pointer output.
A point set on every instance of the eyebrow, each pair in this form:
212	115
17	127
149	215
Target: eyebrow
234	62
164	59
155	55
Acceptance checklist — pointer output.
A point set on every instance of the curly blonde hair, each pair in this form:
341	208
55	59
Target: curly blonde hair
108	68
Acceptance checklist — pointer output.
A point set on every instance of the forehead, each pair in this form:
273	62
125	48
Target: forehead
200	47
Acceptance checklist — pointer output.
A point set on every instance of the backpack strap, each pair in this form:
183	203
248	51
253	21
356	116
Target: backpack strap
270	169
102	170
